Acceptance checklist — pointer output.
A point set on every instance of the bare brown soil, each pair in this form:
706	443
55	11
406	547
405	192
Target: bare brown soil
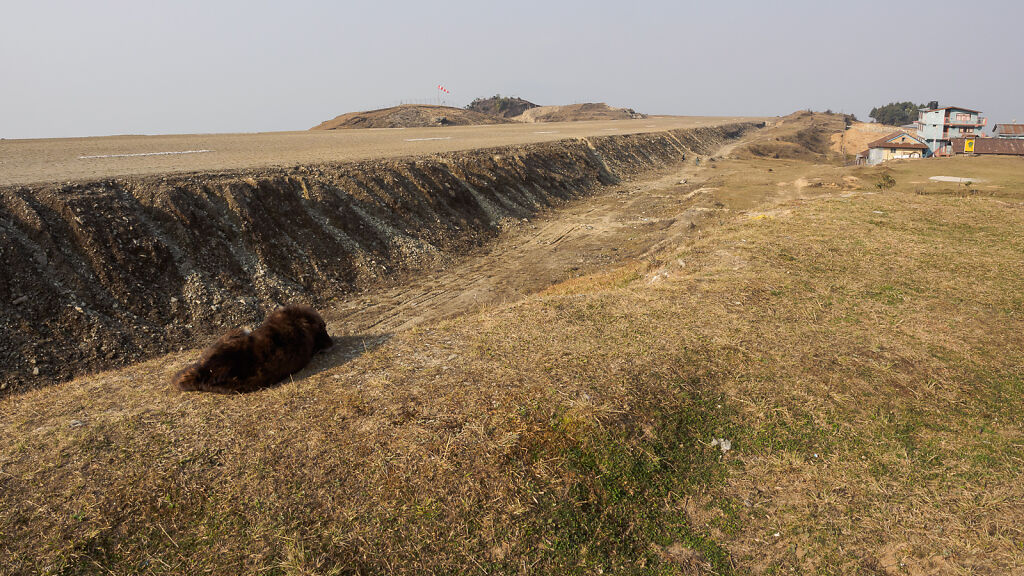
589	111
410	116
856	138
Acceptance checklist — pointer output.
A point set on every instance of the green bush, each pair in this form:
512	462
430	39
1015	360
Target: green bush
885	182
896	113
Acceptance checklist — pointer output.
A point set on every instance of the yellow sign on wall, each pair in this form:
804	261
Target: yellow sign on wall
969	145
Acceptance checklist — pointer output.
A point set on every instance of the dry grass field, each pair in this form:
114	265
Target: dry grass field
862	351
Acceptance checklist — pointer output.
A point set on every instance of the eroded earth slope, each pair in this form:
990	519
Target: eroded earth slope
103	273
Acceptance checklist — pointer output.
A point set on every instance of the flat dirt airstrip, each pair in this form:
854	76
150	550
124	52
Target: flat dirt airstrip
61	159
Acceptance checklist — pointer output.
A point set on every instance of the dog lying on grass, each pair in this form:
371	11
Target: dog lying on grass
244	361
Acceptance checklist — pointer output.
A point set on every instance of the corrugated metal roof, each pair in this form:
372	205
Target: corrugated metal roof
1007	146
1009	129
885	142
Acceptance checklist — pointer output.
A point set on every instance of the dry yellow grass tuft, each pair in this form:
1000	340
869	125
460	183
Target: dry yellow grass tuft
862	353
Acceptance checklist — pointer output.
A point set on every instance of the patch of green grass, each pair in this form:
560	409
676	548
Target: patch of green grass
731	521
914	434
887	294
1004	396
625	482
794	431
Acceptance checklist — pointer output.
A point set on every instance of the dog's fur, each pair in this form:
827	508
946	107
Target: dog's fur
243	361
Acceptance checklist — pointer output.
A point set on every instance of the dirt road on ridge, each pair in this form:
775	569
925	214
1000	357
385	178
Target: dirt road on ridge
69	159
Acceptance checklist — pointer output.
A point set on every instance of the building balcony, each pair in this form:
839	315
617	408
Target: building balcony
976	122
946	134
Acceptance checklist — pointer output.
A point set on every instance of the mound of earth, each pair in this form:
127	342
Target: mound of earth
498	105
578	112
802	135
409	116
859	135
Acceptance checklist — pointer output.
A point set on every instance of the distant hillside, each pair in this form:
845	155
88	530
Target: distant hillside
498	105
578	112
494	110
802	135
409	116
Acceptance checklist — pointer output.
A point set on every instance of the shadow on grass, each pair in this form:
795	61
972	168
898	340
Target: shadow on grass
345	349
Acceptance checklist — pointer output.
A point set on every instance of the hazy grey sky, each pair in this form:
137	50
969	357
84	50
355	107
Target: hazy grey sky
74	68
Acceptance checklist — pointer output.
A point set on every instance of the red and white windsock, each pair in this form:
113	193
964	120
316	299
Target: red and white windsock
443	89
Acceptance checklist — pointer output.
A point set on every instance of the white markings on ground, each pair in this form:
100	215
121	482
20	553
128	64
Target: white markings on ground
954	179
144	154
547	132
422	139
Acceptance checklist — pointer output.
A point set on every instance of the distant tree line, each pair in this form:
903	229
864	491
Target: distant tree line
899	113
498	105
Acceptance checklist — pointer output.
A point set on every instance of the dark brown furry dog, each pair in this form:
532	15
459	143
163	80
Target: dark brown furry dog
243	361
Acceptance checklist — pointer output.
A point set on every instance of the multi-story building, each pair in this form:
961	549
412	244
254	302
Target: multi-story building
939	125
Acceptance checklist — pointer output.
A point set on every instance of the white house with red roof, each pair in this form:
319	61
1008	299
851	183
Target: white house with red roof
894	146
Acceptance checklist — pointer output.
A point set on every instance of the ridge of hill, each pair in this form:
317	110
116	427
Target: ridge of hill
494	110
801	135
409	116
578	113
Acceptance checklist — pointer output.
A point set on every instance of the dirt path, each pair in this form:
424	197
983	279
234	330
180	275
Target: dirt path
623	223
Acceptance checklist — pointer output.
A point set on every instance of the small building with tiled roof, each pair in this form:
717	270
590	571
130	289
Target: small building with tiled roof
894	146
1008	130
988	146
